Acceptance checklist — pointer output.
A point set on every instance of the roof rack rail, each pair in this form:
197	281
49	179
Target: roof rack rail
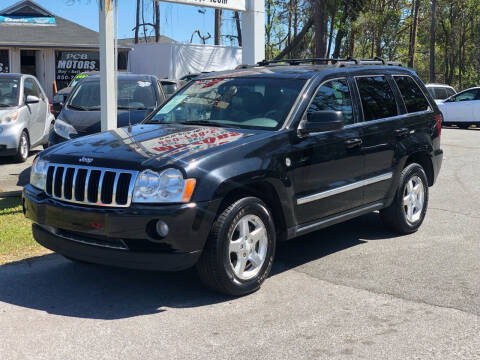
334	61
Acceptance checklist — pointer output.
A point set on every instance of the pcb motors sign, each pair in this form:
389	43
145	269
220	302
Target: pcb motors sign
68	64
236	5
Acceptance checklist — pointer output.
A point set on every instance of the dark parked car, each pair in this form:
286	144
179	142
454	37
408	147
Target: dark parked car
237	161
62	95
137	96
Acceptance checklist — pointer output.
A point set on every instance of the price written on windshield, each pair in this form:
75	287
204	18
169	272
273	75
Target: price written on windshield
238	5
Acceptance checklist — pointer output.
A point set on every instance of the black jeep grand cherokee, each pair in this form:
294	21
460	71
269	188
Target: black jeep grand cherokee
237	161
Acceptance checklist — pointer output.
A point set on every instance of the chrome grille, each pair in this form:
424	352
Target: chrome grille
90	185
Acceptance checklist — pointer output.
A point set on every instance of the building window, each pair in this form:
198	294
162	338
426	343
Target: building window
4	61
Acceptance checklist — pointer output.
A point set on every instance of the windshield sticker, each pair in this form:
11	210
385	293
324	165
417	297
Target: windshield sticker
144	83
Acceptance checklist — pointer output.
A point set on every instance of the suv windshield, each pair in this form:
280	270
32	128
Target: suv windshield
262	103
133	94
8	92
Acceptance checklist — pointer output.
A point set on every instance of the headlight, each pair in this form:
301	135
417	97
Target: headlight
169	186
9	118
64	129
38	173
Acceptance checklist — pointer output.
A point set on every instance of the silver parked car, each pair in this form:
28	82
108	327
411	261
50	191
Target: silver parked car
25	117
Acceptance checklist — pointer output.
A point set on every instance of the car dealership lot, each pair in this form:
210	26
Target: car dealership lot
352	290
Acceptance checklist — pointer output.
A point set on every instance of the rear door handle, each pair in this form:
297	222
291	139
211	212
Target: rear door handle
402	132
353	143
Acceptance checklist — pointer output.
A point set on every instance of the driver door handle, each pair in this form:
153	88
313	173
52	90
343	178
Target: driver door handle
402	132
353	143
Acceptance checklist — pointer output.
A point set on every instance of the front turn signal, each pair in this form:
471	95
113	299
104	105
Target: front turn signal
188	191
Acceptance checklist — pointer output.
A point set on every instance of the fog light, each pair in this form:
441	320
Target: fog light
162	228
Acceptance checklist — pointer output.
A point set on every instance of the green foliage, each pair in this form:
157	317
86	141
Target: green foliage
383	28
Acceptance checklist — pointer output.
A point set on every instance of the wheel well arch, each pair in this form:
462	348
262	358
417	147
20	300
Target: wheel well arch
266	192
424	160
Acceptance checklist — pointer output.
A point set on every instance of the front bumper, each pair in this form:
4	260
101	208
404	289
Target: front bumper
9	138
123	237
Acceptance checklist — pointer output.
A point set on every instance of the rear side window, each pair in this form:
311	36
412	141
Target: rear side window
334	95
378	100
440	93
450	92
412	95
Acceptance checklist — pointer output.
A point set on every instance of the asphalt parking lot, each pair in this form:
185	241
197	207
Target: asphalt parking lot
350	291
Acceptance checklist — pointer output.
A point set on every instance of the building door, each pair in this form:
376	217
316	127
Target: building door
28	62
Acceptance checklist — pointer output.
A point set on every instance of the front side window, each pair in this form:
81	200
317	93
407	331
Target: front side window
30	88
468	95
262	103
378	100
334	95
8	92
132	94
412	95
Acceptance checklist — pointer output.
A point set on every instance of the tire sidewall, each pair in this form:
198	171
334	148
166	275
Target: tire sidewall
409	172
19	156
245	206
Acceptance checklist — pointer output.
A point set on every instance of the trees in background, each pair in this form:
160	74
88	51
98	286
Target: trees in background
438	38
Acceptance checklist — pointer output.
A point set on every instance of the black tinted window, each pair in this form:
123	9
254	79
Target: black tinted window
377	97
412	95
334	95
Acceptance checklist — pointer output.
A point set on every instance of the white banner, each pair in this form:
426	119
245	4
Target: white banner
238	5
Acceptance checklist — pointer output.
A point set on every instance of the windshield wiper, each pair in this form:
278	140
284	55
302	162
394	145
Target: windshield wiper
78	107
131	108
200	122
5	105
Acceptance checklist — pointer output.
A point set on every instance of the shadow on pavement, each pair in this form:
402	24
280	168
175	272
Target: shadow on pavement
58	286
4	160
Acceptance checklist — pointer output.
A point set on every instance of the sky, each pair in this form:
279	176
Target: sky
177	21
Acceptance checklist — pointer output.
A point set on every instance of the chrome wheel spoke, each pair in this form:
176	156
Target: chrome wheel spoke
258	235
243	227
255	259
235	246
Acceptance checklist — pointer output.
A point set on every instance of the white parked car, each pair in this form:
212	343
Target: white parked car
25	117
462	109
440	92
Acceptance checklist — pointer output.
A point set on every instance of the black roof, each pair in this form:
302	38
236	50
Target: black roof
64	34
123	76
305	72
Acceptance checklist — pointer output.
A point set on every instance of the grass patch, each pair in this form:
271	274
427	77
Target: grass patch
16	240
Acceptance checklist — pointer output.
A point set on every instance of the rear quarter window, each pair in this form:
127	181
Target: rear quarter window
412	95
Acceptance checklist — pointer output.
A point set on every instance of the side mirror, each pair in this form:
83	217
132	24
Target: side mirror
32	99
319	121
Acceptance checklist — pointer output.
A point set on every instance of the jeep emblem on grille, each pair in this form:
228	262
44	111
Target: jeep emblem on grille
85	160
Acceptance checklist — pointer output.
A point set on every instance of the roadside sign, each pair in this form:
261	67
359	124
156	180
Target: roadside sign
237	5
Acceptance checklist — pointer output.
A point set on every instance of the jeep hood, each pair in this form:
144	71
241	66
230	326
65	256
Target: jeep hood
149	145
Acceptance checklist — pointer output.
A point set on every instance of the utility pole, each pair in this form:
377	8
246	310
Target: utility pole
108	96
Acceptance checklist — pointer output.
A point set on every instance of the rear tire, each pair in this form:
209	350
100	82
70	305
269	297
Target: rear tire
408	209
240	249
23	148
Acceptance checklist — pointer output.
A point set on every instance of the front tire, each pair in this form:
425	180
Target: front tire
23	148
239	252
407	212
